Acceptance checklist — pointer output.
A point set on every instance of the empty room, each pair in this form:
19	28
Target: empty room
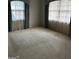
39	29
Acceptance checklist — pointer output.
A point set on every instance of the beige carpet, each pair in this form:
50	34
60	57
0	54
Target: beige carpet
38	43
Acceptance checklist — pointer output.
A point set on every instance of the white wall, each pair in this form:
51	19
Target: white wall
43	13
34	13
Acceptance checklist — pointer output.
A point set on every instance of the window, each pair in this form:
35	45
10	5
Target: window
59	11
17	8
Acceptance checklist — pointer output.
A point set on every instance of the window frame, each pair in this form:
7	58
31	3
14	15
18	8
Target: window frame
60	12
26	13
18	11
46	16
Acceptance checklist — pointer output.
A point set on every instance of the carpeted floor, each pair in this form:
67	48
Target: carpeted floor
38	43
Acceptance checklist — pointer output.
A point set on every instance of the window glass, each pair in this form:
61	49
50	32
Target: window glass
17	5
60	11
53	10
17	15
17	8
